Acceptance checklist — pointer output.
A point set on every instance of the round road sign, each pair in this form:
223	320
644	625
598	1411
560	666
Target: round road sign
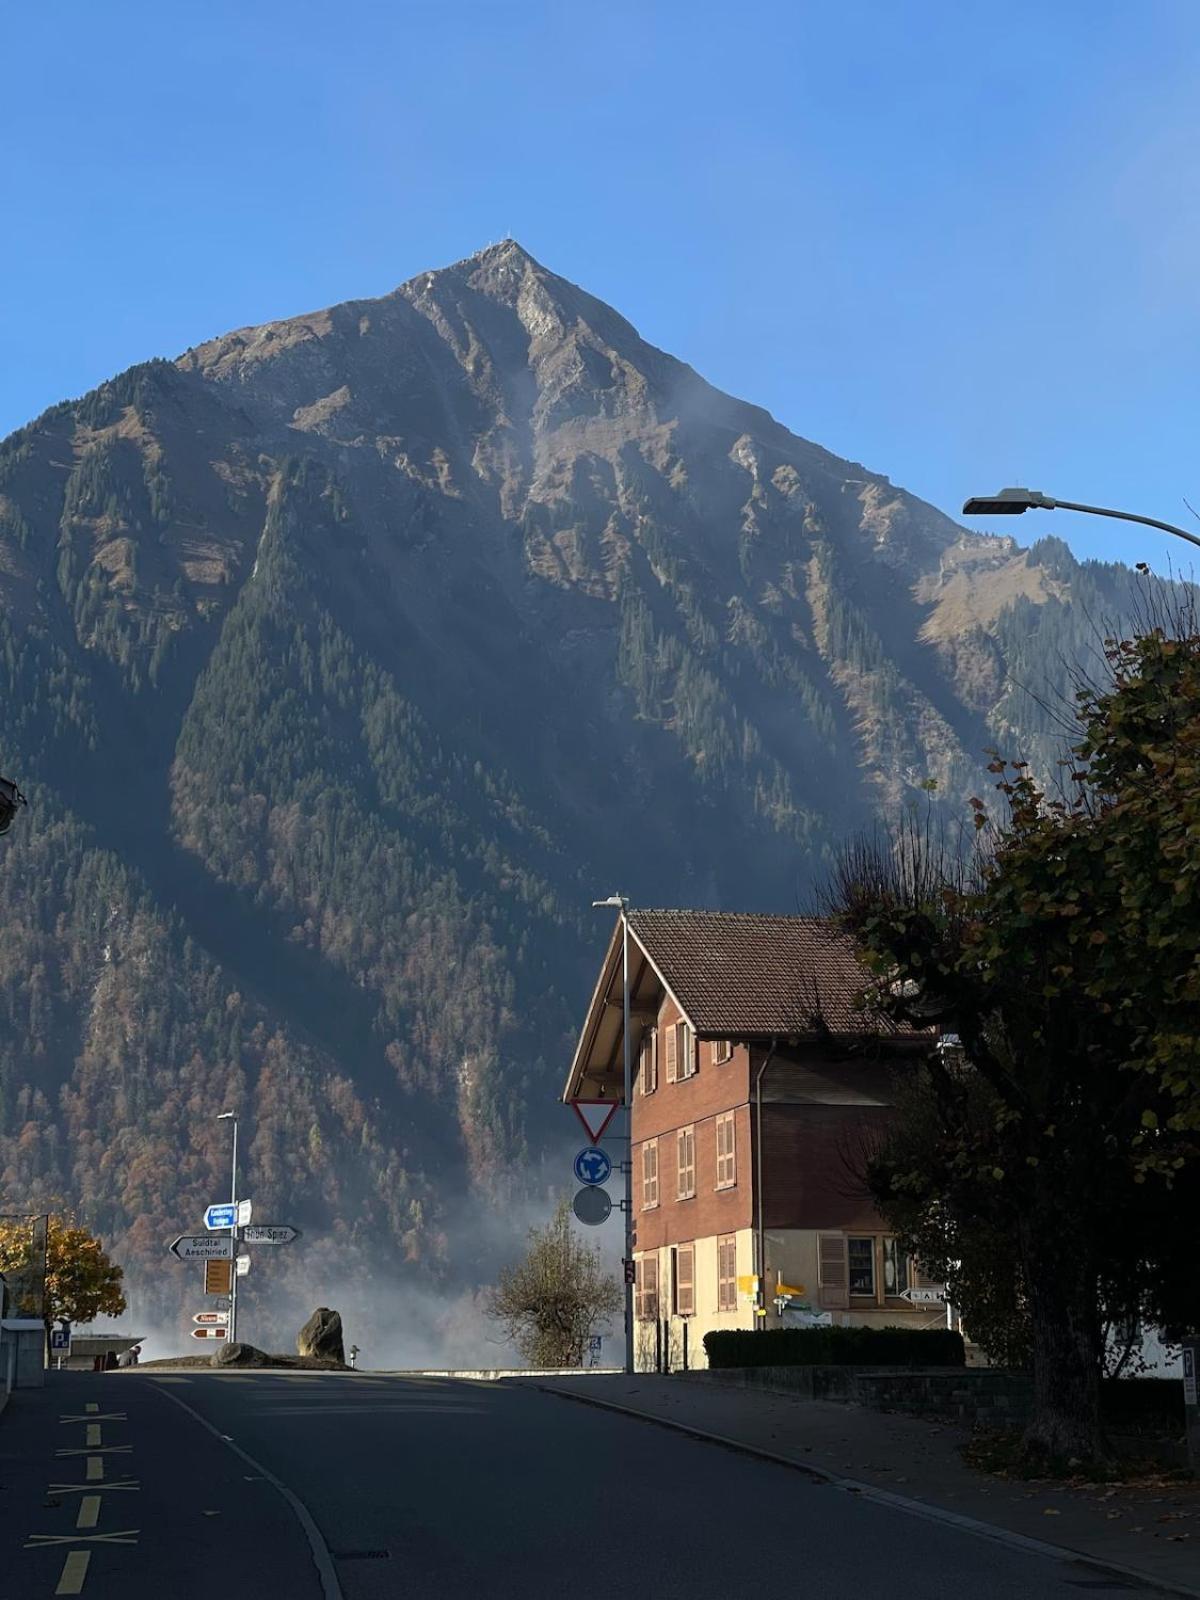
592	1206
593	1165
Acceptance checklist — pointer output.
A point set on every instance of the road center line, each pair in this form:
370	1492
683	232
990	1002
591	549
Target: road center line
93	1436
89	1511
95	1468
74	1572
92	1405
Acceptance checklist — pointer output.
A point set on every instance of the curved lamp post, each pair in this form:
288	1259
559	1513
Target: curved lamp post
1012	502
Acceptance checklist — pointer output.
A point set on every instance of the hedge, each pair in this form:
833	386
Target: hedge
835	1347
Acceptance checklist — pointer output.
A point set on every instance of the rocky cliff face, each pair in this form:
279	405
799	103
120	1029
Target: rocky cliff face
345	659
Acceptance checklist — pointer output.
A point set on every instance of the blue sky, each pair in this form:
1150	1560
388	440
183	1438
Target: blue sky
958	242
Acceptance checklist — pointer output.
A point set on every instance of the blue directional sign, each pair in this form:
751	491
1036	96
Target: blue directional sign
593	1165
220	1216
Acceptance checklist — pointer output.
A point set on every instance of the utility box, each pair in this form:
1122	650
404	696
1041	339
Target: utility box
22	1353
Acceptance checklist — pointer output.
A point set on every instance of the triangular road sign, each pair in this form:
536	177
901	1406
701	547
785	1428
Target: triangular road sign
589	1113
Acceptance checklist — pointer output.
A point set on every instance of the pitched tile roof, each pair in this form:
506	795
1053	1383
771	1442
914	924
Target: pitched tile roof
740	973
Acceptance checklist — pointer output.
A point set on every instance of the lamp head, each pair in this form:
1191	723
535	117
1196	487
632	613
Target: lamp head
1008	503
618	900
223	1115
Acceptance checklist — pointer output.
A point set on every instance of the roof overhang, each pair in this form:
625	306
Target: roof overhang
598	1068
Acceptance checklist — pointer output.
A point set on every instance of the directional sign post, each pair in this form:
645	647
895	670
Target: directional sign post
593	1165
221	1216
210	1333
270	1233
201	1247
211	1319
924	1297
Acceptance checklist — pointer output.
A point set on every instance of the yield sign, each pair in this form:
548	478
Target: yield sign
588	1112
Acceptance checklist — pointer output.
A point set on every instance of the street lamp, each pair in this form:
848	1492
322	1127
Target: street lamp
620	903
11	799
231	1116
1014	502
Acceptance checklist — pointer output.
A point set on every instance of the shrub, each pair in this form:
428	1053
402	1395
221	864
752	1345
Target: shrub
1142	1405
835	1347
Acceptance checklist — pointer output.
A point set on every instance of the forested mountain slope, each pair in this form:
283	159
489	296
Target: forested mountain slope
345	659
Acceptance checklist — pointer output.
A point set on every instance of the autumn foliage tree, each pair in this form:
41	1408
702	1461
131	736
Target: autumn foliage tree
1064	951
82	1282
550	1302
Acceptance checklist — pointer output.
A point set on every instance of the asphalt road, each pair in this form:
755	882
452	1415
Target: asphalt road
436	1489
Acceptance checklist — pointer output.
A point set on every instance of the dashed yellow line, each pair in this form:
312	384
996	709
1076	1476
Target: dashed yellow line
89	1511
74	1572
92	1405
95	1468
92	1442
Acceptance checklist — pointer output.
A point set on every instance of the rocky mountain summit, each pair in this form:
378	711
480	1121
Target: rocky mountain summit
345	659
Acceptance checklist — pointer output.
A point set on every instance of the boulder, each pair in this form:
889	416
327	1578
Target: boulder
321	1336
240	1355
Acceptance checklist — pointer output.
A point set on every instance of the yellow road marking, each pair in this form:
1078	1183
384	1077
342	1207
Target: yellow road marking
93	1436
95	1468
92	1405
74	1572
89	1511
38	1541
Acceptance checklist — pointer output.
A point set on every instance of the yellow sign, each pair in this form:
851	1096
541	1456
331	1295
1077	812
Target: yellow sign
218	1277
748	1283
796	1289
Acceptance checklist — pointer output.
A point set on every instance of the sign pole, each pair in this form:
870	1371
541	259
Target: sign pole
628	1208
233	1234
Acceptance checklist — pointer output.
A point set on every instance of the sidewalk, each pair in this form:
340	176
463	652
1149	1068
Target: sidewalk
1153	1533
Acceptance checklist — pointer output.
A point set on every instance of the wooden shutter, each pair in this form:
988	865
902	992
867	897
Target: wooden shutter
648	1063
726	1161
672	1052
685	1150
650	1174
650	1292
727	1273
832	1275
685	1280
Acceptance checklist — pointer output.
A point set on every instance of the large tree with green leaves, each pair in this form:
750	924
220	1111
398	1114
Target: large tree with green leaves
1064	951
551	1301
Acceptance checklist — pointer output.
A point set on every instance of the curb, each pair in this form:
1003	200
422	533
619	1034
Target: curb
898	1502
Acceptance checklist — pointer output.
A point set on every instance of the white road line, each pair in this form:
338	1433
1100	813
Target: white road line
89	1511
95	1468
74	1572
322	1560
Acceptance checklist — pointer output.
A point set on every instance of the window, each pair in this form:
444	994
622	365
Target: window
726	1157
722	1050
685	1280
685	1051
727	1272
645	1299
895	1268
685	1147
672	1053
649	1174
648	1062
860	1260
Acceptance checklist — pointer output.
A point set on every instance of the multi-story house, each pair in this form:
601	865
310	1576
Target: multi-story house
758	1087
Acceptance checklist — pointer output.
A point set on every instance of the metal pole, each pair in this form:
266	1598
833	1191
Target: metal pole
1124	516
761	1264
628	1138
233	1234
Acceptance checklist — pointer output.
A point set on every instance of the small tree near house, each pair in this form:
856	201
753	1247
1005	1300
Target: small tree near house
82	1282
551	1302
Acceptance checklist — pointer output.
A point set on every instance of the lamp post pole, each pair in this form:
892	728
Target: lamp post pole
1014	502
622	905
231	1116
